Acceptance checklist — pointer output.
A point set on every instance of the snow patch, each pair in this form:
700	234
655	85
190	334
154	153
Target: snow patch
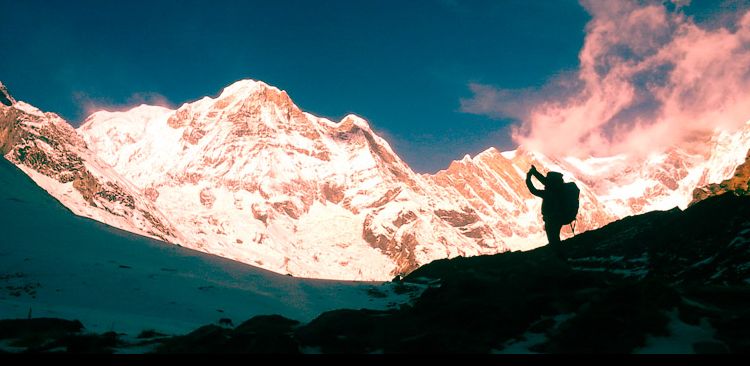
681	339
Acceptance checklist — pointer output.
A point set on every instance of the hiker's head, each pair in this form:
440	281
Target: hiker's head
554	178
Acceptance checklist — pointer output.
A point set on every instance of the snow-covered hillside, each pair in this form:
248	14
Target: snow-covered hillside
56	264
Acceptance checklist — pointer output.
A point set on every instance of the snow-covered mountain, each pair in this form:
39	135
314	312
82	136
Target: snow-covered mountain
249	176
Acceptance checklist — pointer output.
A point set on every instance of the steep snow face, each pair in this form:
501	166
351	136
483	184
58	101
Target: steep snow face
50	151
662	180
249	176
495	184
127	128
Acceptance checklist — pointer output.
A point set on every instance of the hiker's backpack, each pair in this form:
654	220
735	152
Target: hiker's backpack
568	209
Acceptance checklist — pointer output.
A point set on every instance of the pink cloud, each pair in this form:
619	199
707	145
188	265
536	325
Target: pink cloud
648	79
516	104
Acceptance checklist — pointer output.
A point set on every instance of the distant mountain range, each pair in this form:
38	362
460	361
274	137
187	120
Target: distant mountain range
249	176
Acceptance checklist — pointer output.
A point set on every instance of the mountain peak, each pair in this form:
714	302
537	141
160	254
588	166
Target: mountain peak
353	120
244	86
5	97
491	153
257	92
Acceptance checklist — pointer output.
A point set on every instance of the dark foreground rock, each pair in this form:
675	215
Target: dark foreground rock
260	334
55	335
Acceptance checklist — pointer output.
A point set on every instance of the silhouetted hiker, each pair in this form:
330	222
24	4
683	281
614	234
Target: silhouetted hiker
559	204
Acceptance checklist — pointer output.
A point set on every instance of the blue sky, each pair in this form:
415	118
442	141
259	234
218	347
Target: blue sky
403	65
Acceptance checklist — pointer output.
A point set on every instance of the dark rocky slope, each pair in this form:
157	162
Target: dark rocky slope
737	184
620	285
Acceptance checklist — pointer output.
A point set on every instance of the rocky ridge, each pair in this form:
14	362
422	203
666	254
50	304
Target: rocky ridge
737	184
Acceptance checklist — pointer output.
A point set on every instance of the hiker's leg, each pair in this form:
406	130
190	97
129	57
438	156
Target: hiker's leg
553	233
553	237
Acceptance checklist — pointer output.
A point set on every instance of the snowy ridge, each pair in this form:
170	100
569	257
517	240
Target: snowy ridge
50	151
249	176
5	97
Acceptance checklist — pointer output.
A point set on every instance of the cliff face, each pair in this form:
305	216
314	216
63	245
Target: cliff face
52	153
737	184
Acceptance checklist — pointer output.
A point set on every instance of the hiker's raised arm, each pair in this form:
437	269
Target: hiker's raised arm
530	185
539	176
